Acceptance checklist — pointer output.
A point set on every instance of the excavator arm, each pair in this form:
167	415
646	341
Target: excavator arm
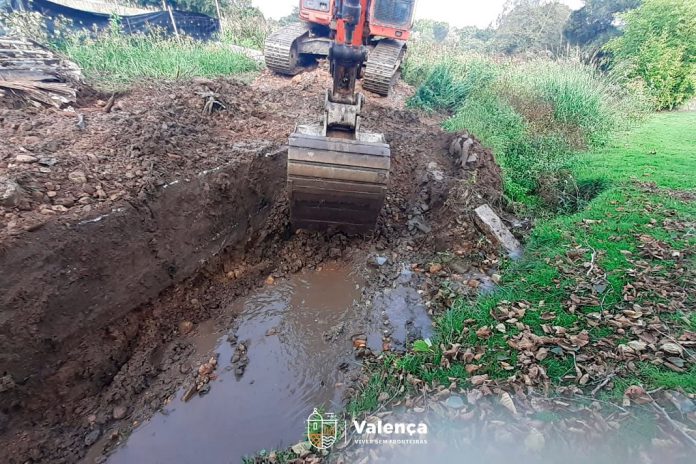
338	174
343	104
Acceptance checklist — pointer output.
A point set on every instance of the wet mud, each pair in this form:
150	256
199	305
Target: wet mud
107	297
295	363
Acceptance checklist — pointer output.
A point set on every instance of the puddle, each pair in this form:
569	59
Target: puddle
298	333
403	313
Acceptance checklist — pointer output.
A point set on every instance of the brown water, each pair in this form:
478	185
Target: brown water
293	368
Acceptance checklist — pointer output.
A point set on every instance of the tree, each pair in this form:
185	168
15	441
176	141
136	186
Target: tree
531	26
293	17
594	24
430	30
658	46
475	39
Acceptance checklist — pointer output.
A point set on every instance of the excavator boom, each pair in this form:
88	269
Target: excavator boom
337	174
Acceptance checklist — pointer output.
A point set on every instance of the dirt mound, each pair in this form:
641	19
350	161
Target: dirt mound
176	185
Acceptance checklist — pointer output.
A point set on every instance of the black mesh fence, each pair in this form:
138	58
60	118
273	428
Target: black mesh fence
195	25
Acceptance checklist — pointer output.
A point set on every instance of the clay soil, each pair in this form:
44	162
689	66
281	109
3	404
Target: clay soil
65	372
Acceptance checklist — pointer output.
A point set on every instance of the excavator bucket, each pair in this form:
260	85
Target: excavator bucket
336	182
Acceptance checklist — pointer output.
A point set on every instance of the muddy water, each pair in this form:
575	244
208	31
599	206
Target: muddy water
296	332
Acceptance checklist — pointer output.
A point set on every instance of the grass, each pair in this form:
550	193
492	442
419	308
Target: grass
114	60
536	116
660	150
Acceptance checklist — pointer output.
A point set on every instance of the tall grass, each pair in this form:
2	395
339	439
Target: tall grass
113	59
536	115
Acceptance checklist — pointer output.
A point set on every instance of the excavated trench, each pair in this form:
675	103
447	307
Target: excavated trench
157	238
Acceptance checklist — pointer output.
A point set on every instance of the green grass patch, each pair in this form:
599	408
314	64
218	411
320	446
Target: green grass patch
114	60
546	277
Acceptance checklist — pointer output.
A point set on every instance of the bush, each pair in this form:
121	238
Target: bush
535	115
450	83
659	47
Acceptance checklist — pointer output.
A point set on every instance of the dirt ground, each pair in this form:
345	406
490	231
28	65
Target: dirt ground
64	375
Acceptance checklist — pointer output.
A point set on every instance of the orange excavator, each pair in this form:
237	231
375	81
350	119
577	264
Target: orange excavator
337	174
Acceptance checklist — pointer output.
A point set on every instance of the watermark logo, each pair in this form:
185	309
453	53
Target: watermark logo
322	429
322	432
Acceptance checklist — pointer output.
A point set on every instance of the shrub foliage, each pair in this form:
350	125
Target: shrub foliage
658	46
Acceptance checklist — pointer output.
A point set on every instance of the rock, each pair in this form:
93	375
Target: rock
48	162
302	449
92	437
335	253
78	177
184	368
455	402
380	261
68	202
26	159
12	194
493	227
185	327
270	280
7	383
119	412
204	390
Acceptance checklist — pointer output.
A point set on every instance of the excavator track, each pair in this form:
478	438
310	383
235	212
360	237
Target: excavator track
382	66
281	50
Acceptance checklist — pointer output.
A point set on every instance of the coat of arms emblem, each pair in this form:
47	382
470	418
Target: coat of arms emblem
322	429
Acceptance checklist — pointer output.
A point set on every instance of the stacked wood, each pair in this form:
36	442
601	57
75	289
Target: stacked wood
32	72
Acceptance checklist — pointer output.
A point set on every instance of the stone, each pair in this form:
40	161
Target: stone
12	194
48	162
68	202
302	449
92	437
119	412
7	383
454	402
26	159
380	260
335	253
185	327
78	177
493	227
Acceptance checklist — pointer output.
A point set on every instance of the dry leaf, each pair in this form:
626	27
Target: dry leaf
506	400
483	332
671	348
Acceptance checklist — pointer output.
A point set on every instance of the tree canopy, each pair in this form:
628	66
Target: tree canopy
595	23
658	45
531	26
